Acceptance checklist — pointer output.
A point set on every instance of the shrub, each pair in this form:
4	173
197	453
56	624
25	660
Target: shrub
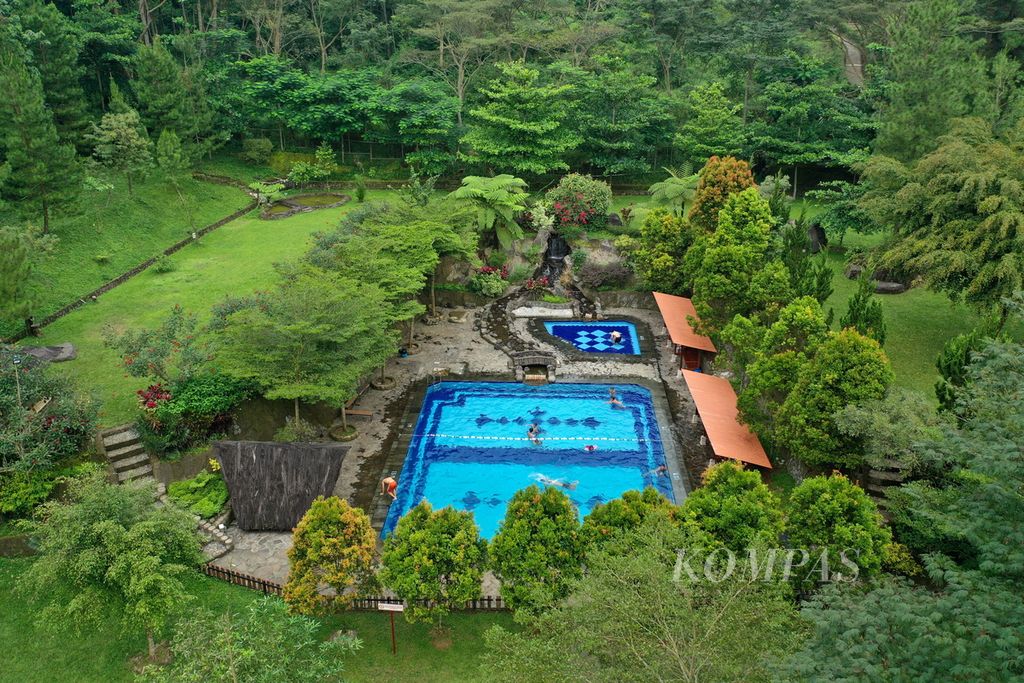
163	264
520	273
720	177
203	494
257	150
487	284
608	275
553	299
303	172
626	514
299	431
22	491
334	547
360	185
580	203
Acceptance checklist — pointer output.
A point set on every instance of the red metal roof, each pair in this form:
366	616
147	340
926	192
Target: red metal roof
674	311
716	405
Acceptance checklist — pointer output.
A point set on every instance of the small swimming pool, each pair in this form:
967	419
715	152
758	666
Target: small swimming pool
471	447
597	337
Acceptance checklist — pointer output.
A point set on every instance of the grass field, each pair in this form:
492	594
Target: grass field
35	655
233	260
113	232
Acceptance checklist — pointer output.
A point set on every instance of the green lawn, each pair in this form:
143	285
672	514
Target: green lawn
918	322
31	654
233	260
113	232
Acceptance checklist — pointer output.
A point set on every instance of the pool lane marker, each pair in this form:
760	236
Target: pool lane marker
527	438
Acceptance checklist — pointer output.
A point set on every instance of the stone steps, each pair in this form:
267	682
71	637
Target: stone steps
126	455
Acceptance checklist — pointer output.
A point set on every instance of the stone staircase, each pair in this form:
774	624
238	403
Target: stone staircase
126	455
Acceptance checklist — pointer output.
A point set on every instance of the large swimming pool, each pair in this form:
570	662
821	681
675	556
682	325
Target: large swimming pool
471	448
597	337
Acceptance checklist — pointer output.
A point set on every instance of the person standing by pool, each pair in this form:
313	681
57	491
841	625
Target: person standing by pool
615	336
389	486
613	398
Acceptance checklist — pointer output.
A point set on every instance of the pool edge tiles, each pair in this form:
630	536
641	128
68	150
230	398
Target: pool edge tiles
470	447
590	337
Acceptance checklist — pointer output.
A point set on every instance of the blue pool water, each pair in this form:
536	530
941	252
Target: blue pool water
596	337
471	449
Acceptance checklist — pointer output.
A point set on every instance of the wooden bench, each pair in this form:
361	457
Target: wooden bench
358	412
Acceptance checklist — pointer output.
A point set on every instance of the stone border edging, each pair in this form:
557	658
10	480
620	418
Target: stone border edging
124	277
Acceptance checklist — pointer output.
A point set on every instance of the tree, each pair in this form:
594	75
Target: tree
678	188
54	41
810	122
460	30
313	338
769	360
712	127
953	363
538	550
120	143
16	264
756	35
497	201
626	514
263	644
521	124
634	617
677	31
847	368
734	508
932	77
658	259
333	545
170	353
831	513
732	269
864	311
954	218
579	202
42	172
105	550
720	177
434	561
421	116
163	102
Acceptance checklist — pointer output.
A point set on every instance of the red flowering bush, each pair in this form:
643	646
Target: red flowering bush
540	282
494	270
150	397
579	202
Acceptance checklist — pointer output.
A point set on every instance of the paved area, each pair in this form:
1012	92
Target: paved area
451	348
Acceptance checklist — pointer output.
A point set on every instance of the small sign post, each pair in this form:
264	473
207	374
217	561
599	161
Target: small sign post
391	608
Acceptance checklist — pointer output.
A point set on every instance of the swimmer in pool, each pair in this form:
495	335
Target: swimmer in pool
613	400
661	471
548	481
616	336
533	434
590	448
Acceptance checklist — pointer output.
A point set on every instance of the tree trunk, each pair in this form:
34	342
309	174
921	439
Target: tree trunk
795	167
151	643
46	216
128	177
433	298
344	419
296	402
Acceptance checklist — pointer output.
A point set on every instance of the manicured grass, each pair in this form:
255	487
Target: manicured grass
918	322
112	232
236	259
32	654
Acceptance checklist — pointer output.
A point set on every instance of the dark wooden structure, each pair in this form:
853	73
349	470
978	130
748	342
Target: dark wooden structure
273	484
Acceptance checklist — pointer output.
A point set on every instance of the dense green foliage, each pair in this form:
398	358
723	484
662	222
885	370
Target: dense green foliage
261	645
333	546
434	560
204	494
538	550
734	508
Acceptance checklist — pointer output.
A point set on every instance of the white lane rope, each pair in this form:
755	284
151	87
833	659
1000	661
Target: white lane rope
527	438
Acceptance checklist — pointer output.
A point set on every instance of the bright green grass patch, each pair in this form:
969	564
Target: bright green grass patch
236	259
101	655
113	232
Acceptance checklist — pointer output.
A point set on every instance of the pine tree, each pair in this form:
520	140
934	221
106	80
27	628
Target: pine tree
54	43
43	172
163	102
864	312
15	269
120	143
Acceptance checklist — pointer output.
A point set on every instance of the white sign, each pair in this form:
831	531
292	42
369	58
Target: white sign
390	607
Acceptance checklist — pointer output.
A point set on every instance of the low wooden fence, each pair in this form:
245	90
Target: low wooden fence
368	603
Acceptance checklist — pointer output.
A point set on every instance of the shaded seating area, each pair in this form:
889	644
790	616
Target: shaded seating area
727	437
692	349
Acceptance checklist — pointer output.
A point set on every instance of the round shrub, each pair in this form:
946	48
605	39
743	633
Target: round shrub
580	203
257	150
488	284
